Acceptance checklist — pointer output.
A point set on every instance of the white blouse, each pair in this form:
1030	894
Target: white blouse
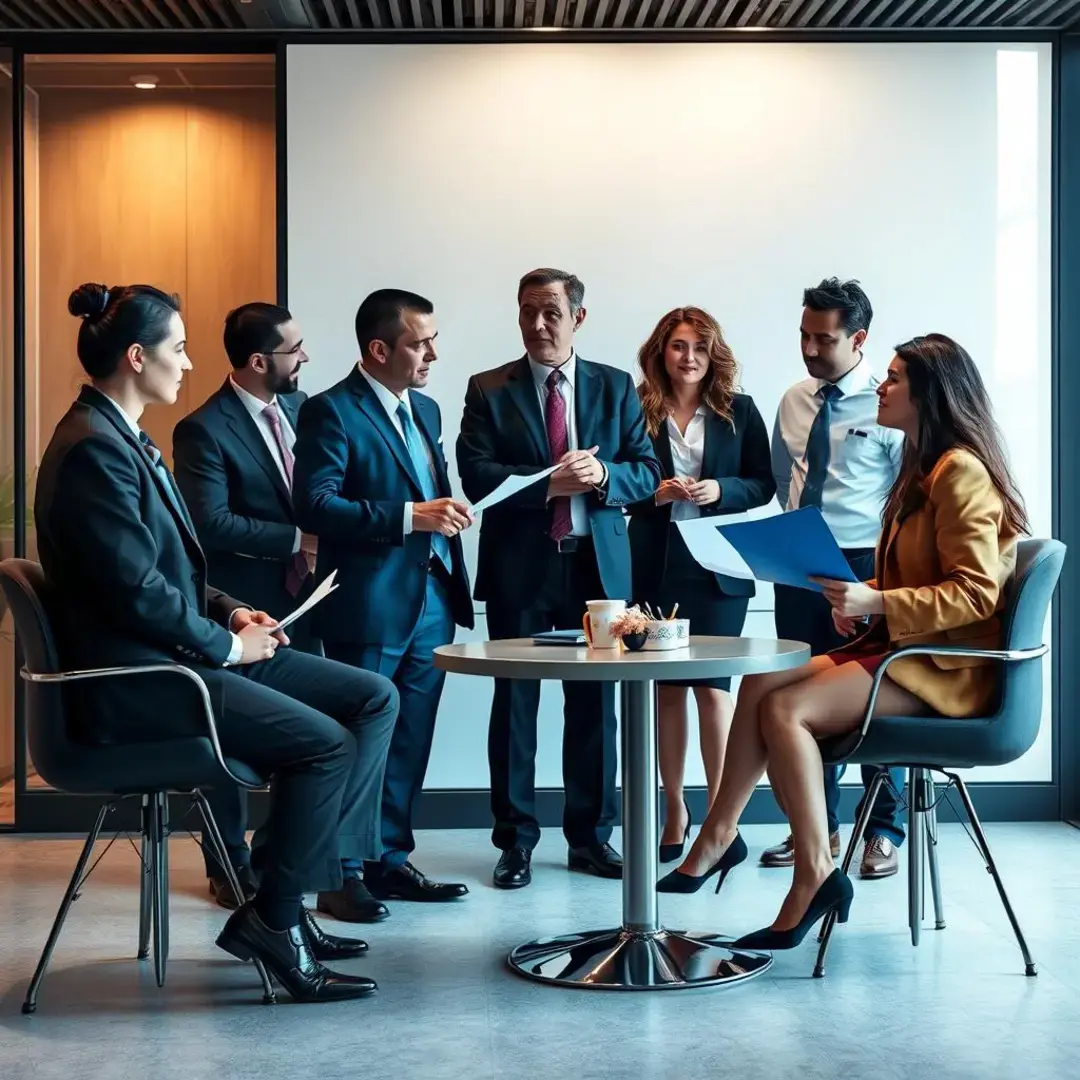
687	452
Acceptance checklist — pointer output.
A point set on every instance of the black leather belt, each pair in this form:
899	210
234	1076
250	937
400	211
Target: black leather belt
570	545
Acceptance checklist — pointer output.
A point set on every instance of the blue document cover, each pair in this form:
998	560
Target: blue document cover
789	549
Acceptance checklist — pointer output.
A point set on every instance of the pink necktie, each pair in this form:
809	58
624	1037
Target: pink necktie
558	444
298	570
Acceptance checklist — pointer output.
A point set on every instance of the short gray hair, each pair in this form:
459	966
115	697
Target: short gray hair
575	290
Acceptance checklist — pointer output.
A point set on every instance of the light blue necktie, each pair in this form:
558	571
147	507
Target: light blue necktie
415	443
817	448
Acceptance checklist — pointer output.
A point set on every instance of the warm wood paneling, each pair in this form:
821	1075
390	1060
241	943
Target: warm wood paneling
173	190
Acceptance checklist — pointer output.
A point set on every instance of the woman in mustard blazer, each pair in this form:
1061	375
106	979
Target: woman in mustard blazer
948	548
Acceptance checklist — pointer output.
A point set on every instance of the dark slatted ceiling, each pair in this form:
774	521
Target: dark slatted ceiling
298	15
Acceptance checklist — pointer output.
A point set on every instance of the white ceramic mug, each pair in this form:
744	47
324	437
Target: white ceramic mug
597	621
664	635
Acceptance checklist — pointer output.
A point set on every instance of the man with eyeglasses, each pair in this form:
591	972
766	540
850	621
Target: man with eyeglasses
233	462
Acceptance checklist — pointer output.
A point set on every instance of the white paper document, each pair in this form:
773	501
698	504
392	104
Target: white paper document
326	587
711	550
510	486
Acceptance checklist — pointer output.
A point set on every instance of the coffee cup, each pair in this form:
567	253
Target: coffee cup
597	621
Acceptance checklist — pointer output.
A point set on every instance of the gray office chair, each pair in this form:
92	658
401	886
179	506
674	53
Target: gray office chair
941	744
149	771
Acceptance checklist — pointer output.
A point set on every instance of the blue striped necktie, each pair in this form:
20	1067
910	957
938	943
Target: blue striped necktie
414	442
818	448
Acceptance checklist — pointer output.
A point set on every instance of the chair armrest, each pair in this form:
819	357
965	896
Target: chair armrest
148	669
1009	656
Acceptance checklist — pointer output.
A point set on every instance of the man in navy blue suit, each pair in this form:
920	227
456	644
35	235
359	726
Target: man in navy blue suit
549	549
371	484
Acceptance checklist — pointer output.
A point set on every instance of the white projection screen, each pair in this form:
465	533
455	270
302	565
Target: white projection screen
725	175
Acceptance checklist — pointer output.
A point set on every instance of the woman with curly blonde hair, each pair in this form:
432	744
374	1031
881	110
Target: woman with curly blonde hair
714	451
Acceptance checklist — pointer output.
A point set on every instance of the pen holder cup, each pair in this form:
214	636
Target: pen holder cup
663	635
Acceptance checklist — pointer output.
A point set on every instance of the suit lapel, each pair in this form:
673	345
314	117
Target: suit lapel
243	426
522	390
662	446
374	411
587	403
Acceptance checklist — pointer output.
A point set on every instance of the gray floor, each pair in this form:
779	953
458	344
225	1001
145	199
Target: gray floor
958	1006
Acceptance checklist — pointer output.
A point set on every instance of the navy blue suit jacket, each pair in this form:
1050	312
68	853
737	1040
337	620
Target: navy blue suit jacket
352	478
503	434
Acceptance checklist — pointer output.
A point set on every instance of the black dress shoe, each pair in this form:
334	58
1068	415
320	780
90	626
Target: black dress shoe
599	859
405	882
329	946
514	869
352	903
288	959
221	890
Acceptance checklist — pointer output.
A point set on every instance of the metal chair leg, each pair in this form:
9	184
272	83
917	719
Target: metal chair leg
916	856
30	1003
217	846
157	907
931	851
845	866
146	880
163	878
984	850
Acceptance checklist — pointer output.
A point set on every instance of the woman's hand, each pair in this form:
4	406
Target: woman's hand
670	491
703	492
851	598
845	624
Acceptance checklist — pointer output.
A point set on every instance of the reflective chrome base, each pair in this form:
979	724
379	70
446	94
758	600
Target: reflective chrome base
619	960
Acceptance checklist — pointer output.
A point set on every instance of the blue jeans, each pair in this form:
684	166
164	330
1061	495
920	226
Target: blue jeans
886	818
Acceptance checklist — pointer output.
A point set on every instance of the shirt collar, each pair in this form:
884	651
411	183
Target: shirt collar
254	405
133	427
542	372
860	377
390	401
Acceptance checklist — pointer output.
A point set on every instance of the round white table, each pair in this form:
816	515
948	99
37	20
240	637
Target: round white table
641	954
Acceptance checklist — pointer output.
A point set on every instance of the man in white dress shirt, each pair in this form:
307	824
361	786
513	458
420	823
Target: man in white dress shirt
828	451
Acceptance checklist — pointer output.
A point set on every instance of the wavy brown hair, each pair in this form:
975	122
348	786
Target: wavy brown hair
954	413
717	388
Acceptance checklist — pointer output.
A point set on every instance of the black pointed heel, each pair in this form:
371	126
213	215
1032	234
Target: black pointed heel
677	882
671	852
834	894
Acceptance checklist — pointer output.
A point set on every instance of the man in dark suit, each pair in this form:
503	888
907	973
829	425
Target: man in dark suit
547	550
120	552
371	483
233	459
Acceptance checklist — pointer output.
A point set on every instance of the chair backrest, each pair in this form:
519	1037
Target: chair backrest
1019	714
52	750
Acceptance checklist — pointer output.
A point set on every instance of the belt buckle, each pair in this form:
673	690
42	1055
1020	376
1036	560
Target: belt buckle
567	545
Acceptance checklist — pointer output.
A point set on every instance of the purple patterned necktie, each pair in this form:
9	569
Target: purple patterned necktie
558	444
298	570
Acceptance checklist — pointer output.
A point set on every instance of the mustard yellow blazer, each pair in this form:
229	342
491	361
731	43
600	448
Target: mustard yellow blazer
943	570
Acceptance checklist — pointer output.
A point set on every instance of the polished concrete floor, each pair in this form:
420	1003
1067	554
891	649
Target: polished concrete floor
959	1006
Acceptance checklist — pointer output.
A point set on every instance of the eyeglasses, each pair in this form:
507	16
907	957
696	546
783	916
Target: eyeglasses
295	351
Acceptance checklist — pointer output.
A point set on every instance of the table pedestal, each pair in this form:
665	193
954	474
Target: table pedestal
641	954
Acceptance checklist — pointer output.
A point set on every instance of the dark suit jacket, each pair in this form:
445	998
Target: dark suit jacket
125	566
739	459
352	478
503	434
238	499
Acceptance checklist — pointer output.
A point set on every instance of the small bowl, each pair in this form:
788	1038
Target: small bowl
664	635
634	642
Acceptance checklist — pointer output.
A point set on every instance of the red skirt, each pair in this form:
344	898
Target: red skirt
868	652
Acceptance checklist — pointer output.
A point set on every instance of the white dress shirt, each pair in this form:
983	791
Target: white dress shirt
579	509
257	407
687	454
237	650
864	458
390	402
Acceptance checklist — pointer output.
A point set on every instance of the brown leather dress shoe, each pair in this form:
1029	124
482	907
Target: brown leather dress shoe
879	858
783	855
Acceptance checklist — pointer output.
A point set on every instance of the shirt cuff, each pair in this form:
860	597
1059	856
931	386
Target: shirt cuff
232	615
407	520
236	652
296	542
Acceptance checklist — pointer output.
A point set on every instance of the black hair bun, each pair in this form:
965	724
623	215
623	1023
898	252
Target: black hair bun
88	301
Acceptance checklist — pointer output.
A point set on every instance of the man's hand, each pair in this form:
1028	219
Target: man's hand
244	617
446	516
852	598
260	643
309	546
579	471
674	490
703	492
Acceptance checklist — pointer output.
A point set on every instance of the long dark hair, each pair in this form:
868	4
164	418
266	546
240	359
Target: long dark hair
954	414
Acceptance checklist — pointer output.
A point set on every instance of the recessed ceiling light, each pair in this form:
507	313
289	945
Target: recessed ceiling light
144	82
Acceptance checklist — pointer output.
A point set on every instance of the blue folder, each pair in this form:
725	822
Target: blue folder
789	549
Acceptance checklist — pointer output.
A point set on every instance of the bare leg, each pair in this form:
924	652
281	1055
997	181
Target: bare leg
671	726
792	719
743	765
715	710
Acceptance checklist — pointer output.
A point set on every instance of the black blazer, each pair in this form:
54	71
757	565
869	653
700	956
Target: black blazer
352	478
125	566
238	499
738	457
503	434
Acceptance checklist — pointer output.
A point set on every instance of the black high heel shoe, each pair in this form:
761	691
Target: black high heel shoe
671	852
834	894
676	882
